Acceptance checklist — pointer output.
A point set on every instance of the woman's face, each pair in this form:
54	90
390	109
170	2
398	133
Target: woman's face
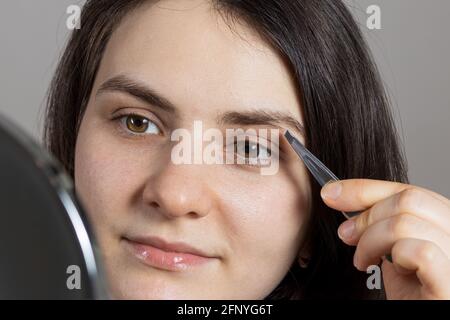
247	227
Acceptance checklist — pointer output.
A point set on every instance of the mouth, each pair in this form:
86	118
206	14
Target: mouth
158	253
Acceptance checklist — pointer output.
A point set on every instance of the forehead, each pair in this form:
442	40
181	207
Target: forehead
204	64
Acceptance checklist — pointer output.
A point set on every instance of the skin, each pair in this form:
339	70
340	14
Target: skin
410	222
252	224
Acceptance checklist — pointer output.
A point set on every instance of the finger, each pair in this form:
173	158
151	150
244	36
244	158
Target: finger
360	194
379	238
431	264
411	201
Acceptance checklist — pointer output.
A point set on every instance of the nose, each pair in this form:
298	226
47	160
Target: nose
180	190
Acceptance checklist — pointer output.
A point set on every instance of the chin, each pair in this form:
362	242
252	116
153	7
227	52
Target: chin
133	285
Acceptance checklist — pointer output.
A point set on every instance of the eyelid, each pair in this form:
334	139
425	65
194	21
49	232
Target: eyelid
132	111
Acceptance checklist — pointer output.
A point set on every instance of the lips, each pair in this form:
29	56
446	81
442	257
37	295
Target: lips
160	254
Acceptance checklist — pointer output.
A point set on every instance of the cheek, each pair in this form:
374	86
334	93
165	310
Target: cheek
265	223
102	175
267	220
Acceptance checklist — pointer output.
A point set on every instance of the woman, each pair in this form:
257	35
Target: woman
138	70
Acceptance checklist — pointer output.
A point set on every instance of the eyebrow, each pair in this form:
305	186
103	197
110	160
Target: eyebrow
138	90
141	91
262	117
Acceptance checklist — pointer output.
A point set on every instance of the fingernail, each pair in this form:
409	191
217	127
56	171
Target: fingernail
345	230
332	190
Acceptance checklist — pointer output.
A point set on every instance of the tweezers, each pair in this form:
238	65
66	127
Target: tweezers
320	172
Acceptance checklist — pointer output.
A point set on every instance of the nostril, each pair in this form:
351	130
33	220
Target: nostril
154	204
193	214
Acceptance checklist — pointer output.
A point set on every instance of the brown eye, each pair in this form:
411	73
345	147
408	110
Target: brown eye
252	152
137	124
140	125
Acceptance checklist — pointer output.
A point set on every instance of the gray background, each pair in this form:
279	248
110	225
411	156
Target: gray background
412	51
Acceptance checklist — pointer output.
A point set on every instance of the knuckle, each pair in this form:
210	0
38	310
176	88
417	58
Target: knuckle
400	226
361	190
409	200
364	220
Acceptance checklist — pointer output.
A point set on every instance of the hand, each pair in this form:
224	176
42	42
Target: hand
411	223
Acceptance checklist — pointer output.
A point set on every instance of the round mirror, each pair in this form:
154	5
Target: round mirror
47	250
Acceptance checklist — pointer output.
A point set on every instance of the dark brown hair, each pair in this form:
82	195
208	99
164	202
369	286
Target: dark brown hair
346	113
